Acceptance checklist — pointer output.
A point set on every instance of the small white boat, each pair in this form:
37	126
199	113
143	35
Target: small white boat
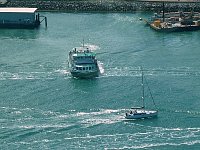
138	113
141	112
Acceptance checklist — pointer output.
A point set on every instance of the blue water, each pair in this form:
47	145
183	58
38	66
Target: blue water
43	107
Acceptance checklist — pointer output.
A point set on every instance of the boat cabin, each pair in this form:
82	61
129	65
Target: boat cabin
83	56
86	68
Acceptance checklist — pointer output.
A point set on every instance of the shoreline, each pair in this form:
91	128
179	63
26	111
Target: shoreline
101	6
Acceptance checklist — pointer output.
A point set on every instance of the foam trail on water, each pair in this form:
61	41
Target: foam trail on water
33	75
101	69
92	47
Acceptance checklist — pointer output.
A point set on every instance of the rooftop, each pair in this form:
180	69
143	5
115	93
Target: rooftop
83	54
18	10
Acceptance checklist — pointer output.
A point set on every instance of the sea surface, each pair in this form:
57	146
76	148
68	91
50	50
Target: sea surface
43	107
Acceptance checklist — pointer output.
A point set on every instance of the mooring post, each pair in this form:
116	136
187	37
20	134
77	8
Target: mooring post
46	22
163	7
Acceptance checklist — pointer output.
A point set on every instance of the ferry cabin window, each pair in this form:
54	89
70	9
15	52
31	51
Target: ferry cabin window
83	68
89	68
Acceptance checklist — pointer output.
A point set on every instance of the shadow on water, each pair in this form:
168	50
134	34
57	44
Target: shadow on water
141	120
19	33
145	122
85	82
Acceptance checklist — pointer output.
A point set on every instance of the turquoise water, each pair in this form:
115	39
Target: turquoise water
43	107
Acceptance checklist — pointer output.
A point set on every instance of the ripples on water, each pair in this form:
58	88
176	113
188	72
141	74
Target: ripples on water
43	107
116	71
28	124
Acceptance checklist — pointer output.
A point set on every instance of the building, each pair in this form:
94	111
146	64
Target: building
19	18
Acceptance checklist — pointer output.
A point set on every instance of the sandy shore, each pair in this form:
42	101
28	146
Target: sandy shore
102	5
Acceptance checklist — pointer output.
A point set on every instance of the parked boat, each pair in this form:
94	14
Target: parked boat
174	16
175	27
175	21
83	62
141	112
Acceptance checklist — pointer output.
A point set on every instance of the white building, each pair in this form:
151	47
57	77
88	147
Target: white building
18	17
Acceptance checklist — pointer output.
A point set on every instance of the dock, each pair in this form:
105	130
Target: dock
24	18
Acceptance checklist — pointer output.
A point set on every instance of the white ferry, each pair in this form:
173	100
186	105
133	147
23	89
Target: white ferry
83	63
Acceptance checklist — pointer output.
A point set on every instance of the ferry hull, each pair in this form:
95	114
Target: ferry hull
176	29
85	74
83	63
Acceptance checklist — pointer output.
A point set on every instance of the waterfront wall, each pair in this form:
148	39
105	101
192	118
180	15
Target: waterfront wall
101	5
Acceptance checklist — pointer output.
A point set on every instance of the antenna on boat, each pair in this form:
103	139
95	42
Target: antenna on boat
142	87
83	42
163	7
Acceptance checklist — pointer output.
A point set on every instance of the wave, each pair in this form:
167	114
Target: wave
135	71
44	122
157	145
100	64
106	71
183	112
87	117
125	18
92	46
33	75
150	139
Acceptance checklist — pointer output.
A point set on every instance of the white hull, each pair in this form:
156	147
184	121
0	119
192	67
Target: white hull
85	74
139	114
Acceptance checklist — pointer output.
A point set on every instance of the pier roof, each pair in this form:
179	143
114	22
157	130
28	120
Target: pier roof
17	10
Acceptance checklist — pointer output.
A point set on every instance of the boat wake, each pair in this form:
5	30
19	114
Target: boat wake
35	127
134	71
102	116
34	75
92	47
122	18
105	71
55	119
100	65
